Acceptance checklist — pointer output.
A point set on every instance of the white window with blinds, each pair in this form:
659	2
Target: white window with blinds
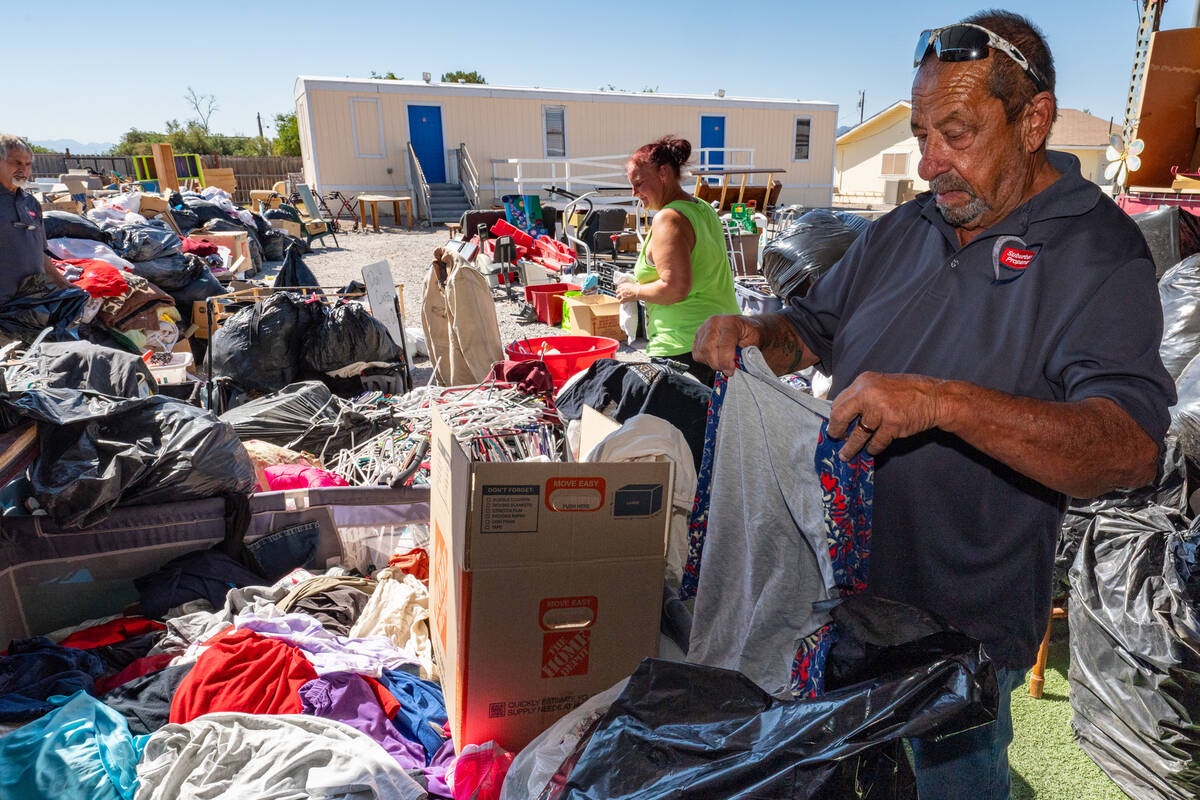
895	164
802	139
554	131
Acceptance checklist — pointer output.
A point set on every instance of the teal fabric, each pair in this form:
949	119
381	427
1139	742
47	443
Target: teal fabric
81	750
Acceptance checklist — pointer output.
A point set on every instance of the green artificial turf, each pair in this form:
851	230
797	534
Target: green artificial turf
1044	760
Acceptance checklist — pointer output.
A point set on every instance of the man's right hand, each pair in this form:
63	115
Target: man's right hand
719	337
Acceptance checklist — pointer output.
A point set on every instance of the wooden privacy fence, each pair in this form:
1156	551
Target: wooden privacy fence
51	165
254	172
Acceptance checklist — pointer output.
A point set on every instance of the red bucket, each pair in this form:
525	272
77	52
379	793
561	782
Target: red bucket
546	300
575	353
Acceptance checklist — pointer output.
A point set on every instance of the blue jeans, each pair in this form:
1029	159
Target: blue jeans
972	764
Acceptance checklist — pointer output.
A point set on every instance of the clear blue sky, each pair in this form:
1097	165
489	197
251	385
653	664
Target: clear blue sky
248	54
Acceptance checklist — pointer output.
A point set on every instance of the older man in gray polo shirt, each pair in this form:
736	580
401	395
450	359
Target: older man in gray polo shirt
997	341
22	238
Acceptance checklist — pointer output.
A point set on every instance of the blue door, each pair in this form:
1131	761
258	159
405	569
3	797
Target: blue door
425	133
712	134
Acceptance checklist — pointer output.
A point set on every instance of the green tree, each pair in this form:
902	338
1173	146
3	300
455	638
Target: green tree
36	148
287	139
386	76
135	142
465	77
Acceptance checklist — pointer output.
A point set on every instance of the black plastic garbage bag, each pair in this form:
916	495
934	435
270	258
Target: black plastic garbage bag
274	245
1135	653
295	273
140	242
83	365
170	273
203	287
204	210
303	416
683	731
1172	235
186	219
348	335
39	304
1179	290
1170	489
259	348
1185	414
807	249
65	225
98	452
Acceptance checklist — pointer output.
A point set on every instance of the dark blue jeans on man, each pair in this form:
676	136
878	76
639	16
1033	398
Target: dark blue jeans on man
974	763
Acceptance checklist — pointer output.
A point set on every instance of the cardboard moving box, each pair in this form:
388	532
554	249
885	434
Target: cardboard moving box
545	585
596	315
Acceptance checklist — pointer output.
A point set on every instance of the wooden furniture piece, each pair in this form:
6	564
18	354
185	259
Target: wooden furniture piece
222	178
259	197
1037	678
164	166
455	229
373	200
767	194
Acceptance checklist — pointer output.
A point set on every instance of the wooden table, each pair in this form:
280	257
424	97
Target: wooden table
710	172
373	200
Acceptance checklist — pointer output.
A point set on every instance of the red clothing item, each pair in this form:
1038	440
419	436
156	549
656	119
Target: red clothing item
243	671
116	630
390	704
99	278
143	666
415	562
199	248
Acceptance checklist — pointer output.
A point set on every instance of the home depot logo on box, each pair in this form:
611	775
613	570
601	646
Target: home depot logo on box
567	638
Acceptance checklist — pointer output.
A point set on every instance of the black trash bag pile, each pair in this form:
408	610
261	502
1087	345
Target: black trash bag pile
144	242
1169	490
39	304
1135	651
685	731
348	335
185	218
295	273
1179	290
203	209
260	347
98	452
170	273
65	225
807	249
302	416
1172	235
84	365
202	287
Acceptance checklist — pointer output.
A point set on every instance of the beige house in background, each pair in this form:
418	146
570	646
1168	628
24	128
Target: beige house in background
355	135
875	156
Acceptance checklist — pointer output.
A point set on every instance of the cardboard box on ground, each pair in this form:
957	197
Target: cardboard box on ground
545	585
596	315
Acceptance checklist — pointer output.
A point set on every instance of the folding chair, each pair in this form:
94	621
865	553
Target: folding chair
314	211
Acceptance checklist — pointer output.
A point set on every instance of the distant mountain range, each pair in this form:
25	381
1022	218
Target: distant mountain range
76	148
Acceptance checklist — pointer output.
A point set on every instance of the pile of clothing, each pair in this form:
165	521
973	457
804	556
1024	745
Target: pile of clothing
318	684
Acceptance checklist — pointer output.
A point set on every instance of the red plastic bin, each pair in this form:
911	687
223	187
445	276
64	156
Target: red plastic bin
575	353
542	298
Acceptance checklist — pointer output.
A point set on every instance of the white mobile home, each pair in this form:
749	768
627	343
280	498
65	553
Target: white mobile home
368	135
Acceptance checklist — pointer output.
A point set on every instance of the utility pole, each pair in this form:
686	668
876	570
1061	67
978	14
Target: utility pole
862	104
260	133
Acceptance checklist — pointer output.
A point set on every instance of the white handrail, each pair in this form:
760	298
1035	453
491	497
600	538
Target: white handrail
526	175
424	197
468	176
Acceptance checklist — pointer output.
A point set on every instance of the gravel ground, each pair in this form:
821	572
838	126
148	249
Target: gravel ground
409	254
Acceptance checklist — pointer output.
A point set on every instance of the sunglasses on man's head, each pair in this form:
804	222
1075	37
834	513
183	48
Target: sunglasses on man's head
968	42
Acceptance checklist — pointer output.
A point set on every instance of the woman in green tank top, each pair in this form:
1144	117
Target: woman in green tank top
682	272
